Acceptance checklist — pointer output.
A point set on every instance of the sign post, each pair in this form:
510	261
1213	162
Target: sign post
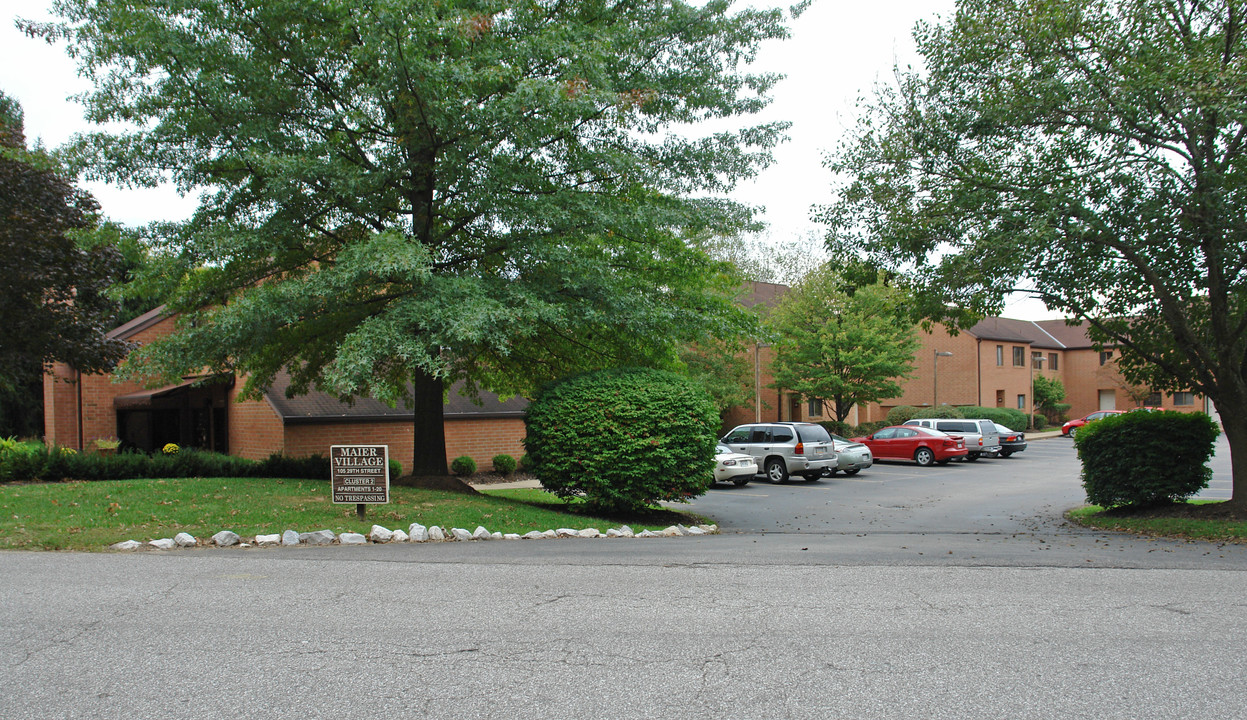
359	474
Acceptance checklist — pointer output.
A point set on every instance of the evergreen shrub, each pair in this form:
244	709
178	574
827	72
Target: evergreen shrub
623	439
1145	458
943	412
1009	417
504	464
463	465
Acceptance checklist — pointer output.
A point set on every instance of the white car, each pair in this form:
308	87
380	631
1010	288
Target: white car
732	466
852	457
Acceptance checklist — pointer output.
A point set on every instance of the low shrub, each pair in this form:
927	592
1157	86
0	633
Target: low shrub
463	465
1009	417
51	464
623	439
1146	458
837	427
526	463
867	428
942	412
504	464
1040	421
901	413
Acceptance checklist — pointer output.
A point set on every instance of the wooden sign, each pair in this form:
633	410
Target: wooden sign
360	474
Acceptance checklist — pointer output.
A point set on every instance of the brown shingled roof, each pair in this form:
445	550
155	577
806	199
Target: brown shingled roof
319	407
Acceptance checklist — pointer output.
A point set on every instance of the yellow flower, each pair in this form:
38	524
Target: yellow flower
170	449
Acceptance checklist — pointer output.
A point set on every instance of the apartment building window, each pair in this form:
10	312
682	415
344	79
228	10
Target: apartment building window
1052	364
1106	356
1000	355
816	407
1019	356
1152	400
1021	402
1183	398
1037	360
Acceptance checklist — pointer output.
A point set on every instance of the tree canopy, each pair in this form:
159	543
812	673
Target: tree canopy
840	342
1089	150
54	303
402	193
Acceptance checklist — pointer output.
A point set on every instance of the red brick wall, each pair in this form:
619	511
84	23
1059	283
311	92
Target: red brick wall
255	430
483	439
60	406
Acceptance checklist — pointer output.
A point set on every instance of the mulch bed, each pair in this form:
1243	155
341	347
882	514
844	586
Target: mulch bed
455	483
1206	511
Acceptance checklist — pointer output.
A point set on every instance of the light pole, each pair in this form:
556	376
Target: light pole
1030	416
935	389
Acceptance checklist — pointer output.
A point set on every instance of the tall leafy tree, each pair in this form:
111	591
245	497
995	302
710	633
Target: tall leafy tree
1095	147
54	303
404	193
842	343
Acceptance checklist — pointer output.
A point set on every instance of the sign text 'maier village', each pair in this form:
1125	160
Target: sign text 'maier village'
360	473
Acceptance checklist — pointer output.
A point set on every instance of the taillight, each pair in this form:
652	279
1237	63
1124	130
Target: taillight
949	442
799	449
980	442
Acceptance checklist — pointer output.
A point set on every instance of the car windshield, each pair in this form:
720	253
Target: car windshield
722	450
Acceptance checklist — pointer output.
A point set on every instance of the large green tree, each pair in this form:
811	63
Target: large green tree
404	193
1094	148
840	342
54	303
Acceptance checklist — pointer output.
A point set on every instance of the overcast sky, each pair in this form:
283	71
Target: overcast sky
839	51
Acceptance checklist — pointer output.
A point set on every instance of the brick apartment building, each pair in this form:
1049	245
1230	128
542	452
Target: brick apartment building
205	413
989	365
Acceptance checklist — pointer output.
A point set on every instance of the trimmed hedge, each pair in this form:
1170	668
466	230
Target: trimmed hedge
943	412
623	439
463	465
51	464
504	464
1009	417
1146	458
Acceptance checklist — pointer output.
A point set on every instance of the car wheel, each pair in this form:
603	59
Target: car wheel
854	471
741	481
776	471
1005	453
1071	433
811	477
973	458
924	456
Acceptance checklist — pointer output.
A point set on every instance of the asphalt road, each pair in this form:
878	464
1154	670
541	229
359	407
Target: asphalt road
892	595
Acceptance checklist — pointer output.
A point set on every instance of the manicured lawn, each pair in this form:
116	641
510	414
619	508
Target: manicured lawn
1199	520
94	515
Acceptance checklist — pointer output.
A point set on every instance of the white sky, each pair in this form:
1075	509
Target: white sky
838	53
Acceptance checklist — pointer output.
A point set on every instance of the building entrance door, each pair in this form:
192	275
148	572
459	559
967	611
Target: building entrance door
1108	400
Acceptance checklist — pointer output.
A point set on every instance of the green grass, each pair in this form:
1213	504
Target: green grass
1178	521
94	515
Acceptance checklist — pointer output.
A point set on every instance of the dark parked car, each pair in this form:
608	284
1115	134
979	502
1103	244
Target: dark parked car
1011	441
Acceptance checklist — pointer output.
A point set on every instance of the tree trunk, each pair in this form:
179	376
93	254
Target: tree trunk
429	456
1234	423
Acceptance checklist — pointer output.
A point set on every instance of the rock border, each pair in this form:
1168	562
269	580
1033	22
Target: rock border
415	533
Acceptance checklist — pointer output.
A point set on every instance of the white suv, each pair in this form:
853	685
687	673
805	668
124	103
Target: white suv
981	435
784	448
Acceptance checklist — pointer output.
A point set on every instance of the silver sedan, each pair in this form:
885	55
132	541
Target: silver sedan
854	457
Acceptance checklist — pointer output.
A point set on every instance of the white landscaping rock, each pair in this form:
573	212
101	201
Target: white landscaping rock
549	534
511	536
267	540
613	533
225	538
319	537
671	531
418	533
626	531
126	545
399	536
185	540
480	533
163	544
436	534
696	531
379	534
460	534
534	535
567	533
589	533
352	539
710	529
646	534
290	537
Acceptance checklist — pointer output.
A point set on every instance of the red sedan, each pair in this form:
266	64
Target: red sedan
1070	429
907	442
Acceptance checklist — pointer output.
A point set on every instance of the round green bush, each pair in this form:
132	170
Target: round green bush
942	412
623	439
1145	458
504	464
463	465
